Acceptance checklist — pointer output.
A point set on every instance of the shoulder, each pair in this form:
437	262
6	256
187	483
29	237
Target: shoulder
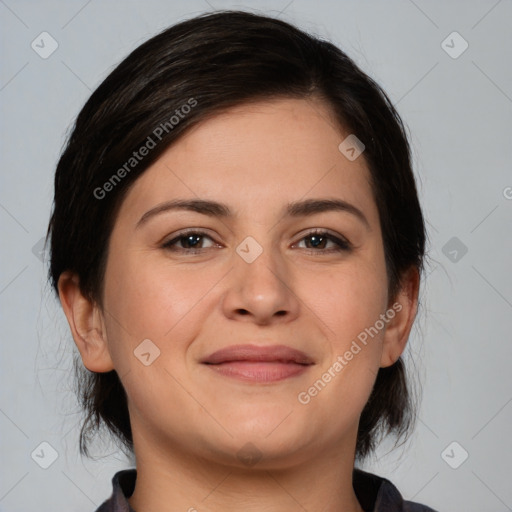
123	484
378	494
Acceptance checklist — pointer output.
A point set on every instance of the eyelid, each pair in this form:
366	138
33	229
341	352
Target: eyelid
322	231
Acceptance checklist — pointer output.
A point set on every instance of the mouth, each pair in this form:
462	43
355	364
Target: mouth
259	364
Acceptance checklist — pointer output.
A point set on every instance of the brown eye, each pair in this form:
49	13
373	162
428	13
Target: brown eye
318	240
190	241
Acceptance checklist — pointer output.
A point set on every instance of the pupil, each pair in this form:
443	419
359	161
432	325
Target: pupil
191	237
318	240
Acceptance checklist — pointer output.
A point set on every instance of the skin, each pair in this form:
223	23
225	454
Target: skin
189	422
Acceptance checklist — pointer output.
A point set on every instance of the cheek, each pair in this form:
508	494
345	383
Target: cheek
146	298
152	301
351	306
347	300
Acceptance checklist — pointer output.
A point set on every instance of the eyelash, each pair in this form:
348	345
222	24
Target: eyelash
343	245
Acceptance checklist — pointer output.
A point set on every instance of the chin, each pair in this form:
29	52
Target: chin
265	440
259	453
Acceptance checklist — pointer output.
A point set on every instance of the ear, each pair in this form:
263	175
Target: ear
405	306
86	323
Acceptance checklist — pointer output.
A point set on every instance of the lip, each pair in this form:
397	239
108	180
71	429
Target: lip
259	363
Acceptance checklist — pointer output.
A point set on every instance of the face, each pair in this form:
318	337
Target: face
230	321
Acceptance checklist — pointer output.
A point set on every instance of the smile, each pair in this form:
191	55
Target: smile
259	364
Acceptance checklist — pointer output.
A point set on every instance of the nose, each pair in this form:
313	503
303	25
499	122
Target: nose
261	291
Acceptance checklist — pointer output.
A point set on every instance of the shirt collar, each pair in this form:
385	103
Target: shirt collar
375	494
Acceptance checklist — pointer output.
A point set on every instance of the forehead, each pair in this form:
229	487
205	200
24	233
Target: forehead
258	154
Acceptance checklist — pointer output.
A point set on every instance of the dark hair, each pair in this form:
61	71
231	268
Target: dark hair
212	62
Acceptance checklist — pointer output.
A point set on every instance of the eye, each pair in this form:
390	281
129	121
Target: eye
190	242
318	240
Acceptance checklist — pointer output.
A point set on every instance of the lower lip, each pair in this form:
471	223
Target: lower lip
257	371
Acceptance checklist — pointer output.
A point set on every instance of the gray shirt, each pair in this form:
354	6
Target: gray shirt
375	494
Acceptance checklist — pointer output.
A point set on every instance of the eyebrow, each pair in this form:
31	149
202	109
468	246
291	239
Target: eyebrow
294	209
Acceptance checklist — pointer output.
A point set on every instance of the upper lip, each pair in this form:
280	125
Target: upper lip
268	353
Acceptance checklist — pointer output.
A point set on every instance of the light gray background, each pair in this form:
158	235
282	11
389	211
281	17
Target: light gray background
459	112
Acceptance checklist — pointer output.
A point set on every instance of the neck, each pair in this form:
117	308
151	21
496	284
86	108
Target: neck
172	480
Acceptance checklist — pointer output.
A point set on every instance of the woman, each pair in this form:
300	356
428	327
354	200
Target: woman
237	245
